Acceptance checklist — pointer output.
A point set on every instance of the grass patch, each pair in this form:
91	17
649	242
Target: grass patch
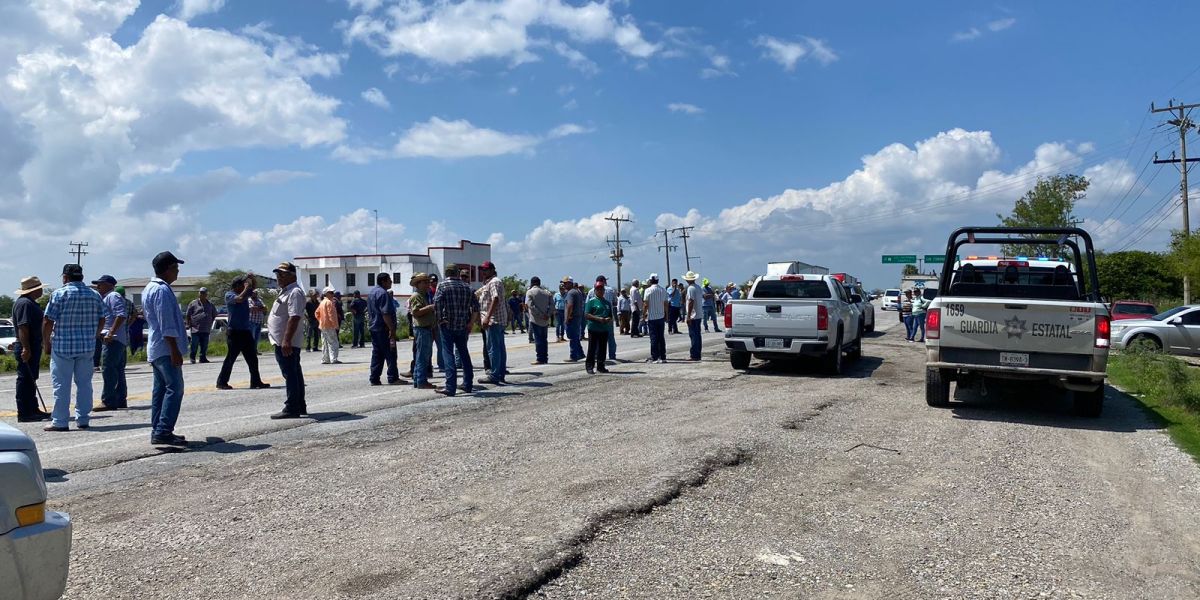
1167	388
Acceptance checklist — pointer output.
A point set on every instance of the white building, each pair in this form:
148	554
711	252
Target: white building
348	273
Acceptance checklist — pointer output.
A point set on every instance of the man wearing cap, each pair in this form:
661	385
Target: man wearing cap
312	336
113	392
423	320
358	313
454	308
75	316
199	320
599	315
675	306
240	338
656	316
494	316
258	316
610	296
286	333
540	305
27	318
164	350
710	307
327	321
574	317
383	332
695	299
560	314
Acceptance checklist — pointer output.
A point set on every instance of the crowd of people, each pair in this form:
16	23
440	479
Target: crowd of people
81	322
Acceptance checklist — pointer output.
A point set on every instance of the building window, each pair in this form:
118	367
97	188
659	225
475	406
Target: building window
350	281
312	281
327	279
396	278
370	280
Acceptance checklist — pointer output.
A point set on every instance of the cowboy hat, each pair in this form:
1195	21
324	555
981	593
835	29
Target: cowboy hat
690	276
418	278
29	285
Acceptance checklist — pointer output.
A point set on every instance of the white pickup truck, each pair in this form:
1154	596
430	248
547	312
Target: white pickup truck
1019	318
794	316
34	543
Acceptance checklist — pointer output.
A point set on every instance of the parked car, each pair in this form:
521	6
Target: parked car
864	305
795	316
891	299
1176	331
1021	318
1132	309
35	543
8	336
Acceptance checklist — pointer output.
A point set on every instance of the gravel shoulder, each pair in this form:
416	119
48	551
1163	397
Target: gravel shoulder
678	480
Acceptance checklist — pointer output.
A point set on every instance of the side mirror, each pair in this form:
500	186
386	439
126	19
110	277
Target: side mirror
1176	321
855	298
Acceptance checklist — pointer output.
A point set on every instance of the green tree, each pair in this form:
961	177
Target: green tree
220	281
1138	275
1183	256
514	283
1051	203
6	306
909	270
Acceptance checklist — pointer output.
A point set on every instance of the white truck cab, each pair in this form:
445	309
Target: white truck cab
35	543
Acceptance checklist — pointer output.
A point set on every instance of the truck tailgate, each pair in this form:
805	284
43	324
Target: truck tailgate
1025	326
773	318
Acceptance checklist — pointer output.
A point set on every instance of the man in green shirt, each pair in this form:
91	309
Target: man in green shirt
599	315
423	321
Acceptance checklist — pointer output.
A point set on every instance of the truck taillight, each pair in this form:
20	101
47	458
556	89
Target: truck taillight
822	317
933	324
728	316
1103	331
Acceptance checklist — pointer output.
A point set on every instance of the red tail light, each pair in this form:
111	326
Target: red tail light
728	316
1103	331
822	317
933	324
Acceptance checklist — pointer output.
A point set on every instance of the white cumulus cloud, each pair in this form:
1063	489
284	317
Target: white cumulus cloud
439	138
685	108
789	53
376	97
190	9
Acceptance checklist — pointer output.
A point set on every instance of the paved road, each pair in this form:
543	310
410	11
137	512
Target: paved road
677	480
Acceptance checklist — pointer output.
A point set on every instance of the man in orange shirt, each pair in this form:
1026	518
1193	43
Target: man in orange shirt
327	320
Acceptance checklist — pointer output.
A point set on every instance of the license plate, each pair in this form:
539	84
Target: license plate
774	344
1014	359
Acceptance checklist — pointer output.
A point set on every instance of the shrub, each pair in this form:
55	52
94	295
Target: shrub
1159	376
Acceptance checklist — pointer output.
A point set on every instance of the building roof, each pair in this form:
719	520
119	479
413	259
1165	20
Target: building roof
462	244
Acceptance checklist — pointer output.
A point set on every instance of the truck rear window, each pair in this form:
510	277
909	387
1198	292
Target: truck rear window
1039	283
767	289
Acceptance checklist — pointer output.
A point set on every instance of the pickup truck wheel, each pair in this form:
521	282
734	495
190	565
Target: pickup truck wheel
832	363
856	352
739	360
937	388
1089	404
1145	343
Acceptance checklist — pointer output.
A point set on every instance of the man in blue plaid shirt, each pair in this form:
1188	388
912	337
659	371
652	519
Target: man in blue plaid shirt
455	304
74	317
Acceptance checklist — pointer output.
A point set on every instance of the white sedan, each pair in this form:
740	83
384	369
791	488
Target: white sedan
35	543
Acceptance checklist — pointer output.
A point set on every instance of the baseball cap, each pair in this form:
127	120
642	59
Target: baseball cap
328	290
567	279
653	277
602	278
163	260
489	265
535	280
203	290
73	270
284	267
109	279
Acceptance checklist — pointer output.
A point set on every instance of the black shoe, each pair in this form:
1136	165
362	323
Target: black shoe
398	382
260	386
717	331
82	426
204	360
34	418
224	386
103	408
287	415
57	429
376	383
168	440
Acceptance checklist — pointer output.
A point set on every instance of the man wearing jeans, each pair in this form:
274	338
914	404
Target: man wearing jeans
383	332
610	296
453	306
655	302
574	319
420	309
675	300
287	334
560	313
358	309
540	305
199	319
494	316
75	316
114	391
695	299
240	336
165	349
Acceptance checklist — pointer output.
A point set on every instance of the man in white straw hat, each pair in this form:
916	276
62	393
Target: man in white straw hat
694	301
27	319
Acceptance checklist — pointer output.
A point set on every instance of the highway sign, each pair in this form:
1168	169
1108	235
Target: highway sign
935	258
899	259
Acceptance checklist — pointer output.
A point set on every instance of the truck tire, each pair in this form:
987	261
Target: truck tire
871	328
856	352
831	364
1089	404
739	360
937	388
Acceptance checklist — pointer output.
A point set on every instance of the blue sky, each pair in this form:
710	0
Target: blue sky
240	133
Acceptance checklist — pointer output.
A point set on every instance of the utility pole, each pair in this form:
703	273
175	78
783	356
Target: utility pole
376	232
1183	123
617	255
78	251
666	233
683	233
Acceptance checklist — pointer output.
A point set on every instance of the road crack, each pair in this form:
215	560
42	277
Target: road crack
810	414
570	551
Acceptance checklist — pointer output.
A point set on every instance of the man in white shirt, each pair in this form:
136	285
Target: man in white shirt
694	305
287	335
540	304
655	303
635	297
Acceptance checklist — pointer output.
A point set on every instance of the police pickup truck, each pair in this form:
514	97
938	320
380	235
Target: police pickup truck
795	316
1027	318
35	543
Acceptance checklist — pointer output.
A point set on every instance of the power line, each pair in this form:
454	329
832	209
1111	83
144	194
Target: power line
1183	123
683	233
617	254
666	233
78	251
